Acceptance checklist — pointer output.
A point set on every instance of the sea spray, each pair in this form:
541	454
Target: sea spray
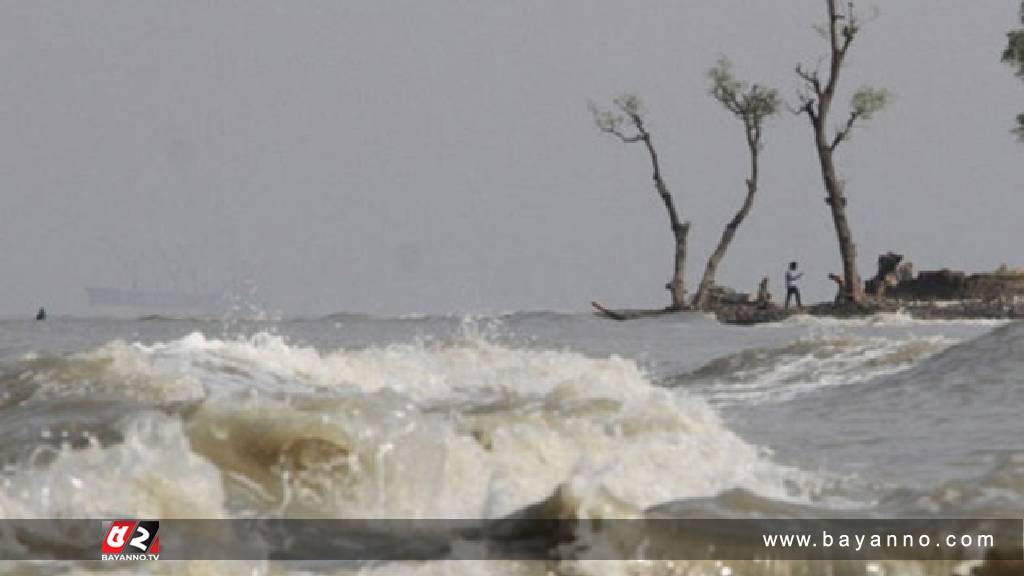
408	418
458	429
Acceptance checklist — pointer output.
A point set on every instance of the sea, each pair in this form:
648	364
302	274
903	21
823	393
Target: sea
484	417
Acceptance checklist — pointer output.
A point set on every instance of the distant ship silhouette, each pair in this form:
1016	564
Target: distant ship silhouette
130	300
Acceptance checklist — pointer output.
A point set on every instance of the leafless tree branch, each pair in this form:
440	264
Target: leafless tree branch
843	133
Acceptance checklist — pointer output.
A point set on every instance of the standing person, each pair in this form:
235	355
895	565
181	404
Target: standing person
792	275
840	285
764	298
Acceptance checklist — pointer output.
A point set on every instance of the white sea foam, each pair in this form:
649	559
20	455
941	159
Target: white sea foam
152	474
464	429
881	319
460	429
810	364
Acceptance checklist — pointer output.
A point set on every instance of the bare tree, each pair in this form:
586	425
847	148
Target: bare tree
816	100
1014	56
626	123
751	105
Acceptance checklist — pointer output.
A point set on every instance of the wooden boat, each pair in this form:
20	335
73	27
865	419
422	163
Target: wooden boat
631	313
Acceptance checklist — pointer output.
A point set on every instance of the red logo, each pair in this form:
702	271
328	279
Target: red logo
131	540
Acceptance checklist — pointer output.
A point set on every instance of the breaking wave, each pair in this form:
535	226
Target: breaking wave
467	428
881	319
807	365
200	427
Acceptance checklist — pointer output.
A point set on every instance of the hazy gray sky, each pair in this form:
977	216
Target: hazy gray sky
411	156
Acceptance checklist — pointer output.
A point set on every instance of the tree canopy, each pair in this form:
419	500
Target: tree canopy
751	103
1014	56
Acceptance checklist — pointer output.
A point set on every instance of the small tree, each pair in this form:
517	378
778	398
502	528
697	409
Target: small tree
751	105
626	123
816	99
1014	56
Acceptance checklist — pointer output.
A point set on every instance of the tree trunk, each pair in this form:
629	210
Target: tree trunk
707	282
703	297
678	284
853	288
680	230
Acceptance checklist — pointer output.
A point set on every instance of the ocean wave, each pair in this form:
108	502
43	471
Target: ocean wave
997	492
806	365
130	478
882	319
465	428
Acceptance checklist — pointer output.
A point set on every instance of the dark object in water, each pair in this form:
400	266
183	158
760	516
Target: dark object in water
630	314
607	312
41	315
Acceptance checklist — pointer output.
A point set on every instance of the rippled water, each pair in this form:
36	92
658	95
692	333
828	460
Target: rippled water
352	416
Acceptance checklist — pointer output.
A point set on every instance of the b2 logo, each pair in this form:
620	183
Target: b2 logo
131	540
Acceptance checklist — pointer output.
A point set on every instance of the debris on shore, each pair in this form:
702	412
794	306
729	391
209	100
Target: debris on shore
930	295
